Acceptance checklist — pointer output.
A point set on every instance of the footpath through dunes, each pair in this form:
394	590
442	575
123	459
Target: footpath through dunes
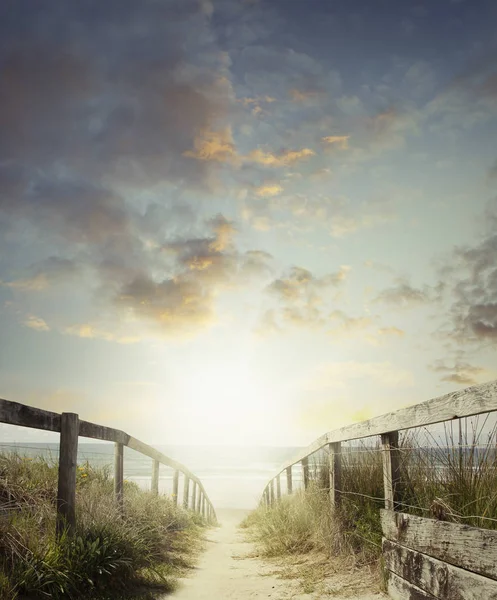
230	569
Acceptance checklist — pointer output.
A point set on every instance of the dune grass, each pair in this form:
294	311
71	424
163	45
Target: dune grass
453	478
110	556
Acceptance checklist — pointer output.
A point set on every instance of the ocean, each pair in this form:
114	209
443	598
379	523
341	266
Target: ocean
233	476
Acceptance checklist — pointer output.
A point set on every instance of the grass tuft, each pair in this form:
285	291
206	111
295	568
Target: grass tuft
109	557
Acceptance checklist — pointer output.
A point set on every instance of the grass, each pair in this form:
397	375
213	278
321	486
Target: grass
110	556
450	477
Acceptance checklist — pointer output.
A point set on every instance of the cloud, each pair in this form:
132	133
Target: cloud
337	140
268	190
184	302
300	298
283	159
343	325
44	274
216	146
306	212
89	331
403	296
36	323
304	95
473	286
459	372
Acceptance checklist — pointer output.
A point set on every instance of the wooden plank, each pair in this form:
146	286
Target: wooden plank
289	483
391	469
278	487
473	400
400	589
335	467
467	547
175	486
305	472
155	477
199	501
15	413
99	432
194	495
271	491
186	484
119	475
68	460
203	506
440	579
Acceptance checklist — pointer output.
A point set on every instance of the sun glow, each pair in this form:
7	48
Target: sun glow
225	404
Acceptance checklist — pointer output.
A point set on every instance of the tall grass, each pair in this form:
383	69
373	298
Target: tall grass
449	476
110	555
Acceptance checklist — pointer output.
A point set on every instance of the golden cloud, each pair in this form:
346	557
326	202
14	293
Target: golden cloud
89	331
36	323
340	140
303	95
268	190
215	146
283	159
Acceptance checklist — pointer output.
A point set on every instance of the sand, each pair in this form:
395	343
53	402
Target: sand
227	570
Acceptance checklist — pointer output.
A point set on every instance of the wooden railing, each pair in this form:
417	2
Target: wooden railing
71	427
457	541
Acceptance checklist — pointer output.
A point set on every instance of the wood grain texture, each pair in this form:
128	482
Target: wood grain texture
391	469
119	475
440	579
400	589
467	547
68	460
194	496
305	472
186	484
175	487
289	483
155	477
473	400
15	413
335	467
278	487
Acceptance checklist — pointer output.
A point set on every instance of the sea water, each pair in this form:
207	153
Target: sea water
233	476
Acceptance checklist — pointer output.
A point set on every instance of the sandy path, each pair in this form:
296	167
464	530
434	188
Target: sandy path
226	571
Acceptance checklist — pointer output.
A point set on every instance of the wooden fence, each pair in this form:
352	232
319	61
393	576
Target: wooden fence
425	559
71	427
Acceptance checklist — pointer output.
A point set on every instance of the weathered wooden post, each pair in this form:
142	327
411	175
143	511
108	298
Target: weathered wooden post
186	485
391	469
271	491
305	471
119	475
199	500
175	487
335	470
289	487
194	495
68	460
155	477
203	506
278	488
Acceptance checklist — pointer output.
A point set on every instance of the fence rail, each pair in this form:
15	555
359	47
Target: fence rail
71	428
406	581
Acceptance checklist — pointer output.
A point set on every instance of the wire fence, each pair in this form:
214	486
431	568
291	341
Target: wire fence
447	471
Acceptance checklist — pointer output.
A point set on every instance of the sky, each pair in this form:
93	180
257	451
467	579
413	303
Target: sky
245	221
